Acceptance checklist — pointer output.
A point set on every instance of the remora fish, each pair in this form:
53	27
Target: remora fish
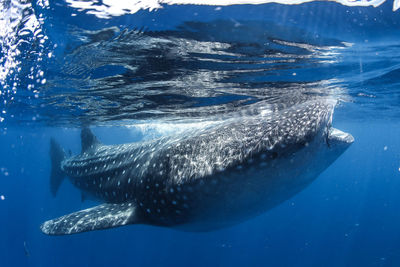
201	181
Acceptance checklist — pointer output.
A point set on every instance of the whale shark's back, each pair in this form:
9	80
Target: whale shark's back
227	144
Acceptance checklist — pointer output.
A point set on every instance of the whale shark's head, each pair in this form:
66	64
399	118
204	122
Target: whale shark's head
317	144
329	142
303	125
335	138
338	139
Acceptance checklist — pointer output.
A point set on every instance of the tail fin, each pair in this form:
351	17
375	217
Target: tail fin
57	155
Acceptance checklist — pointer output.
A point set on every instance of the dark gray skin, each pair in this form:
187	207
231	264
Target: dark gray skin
202	180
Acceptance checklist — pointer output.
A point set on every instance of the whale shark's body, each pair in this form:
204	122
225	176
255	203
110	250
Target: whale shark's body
201	180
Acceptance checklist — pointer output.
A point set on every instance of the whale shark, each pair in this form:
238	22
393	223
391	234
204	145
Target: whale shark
200	180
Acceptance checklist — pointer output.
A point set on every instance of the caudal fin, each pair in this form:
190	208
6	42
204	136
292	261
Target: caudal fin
57	155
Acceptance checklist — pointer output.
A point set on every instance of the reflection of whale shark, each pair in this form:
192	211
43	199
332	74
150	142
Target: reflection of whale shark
110	9
203	180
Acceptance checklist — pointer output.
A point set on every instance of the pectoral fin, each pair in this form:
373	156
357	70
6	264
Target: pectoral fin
96	218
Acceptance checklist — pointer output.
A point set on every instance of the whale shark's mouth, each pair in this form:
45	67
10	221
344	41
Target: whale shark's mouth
336	136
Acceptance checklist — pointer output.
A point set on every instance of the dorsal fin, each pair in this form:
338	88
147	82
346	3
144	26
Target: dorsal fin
88	139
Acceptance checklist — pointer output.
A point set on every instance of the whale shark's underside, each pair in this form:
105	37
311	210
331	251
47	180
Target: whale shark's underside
204	179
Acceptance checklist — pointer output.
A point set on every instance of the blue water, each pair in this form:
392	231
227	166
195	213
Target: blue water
138	76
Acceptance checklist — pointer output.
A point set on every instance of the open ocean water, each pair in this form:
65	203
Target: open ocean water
138	70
